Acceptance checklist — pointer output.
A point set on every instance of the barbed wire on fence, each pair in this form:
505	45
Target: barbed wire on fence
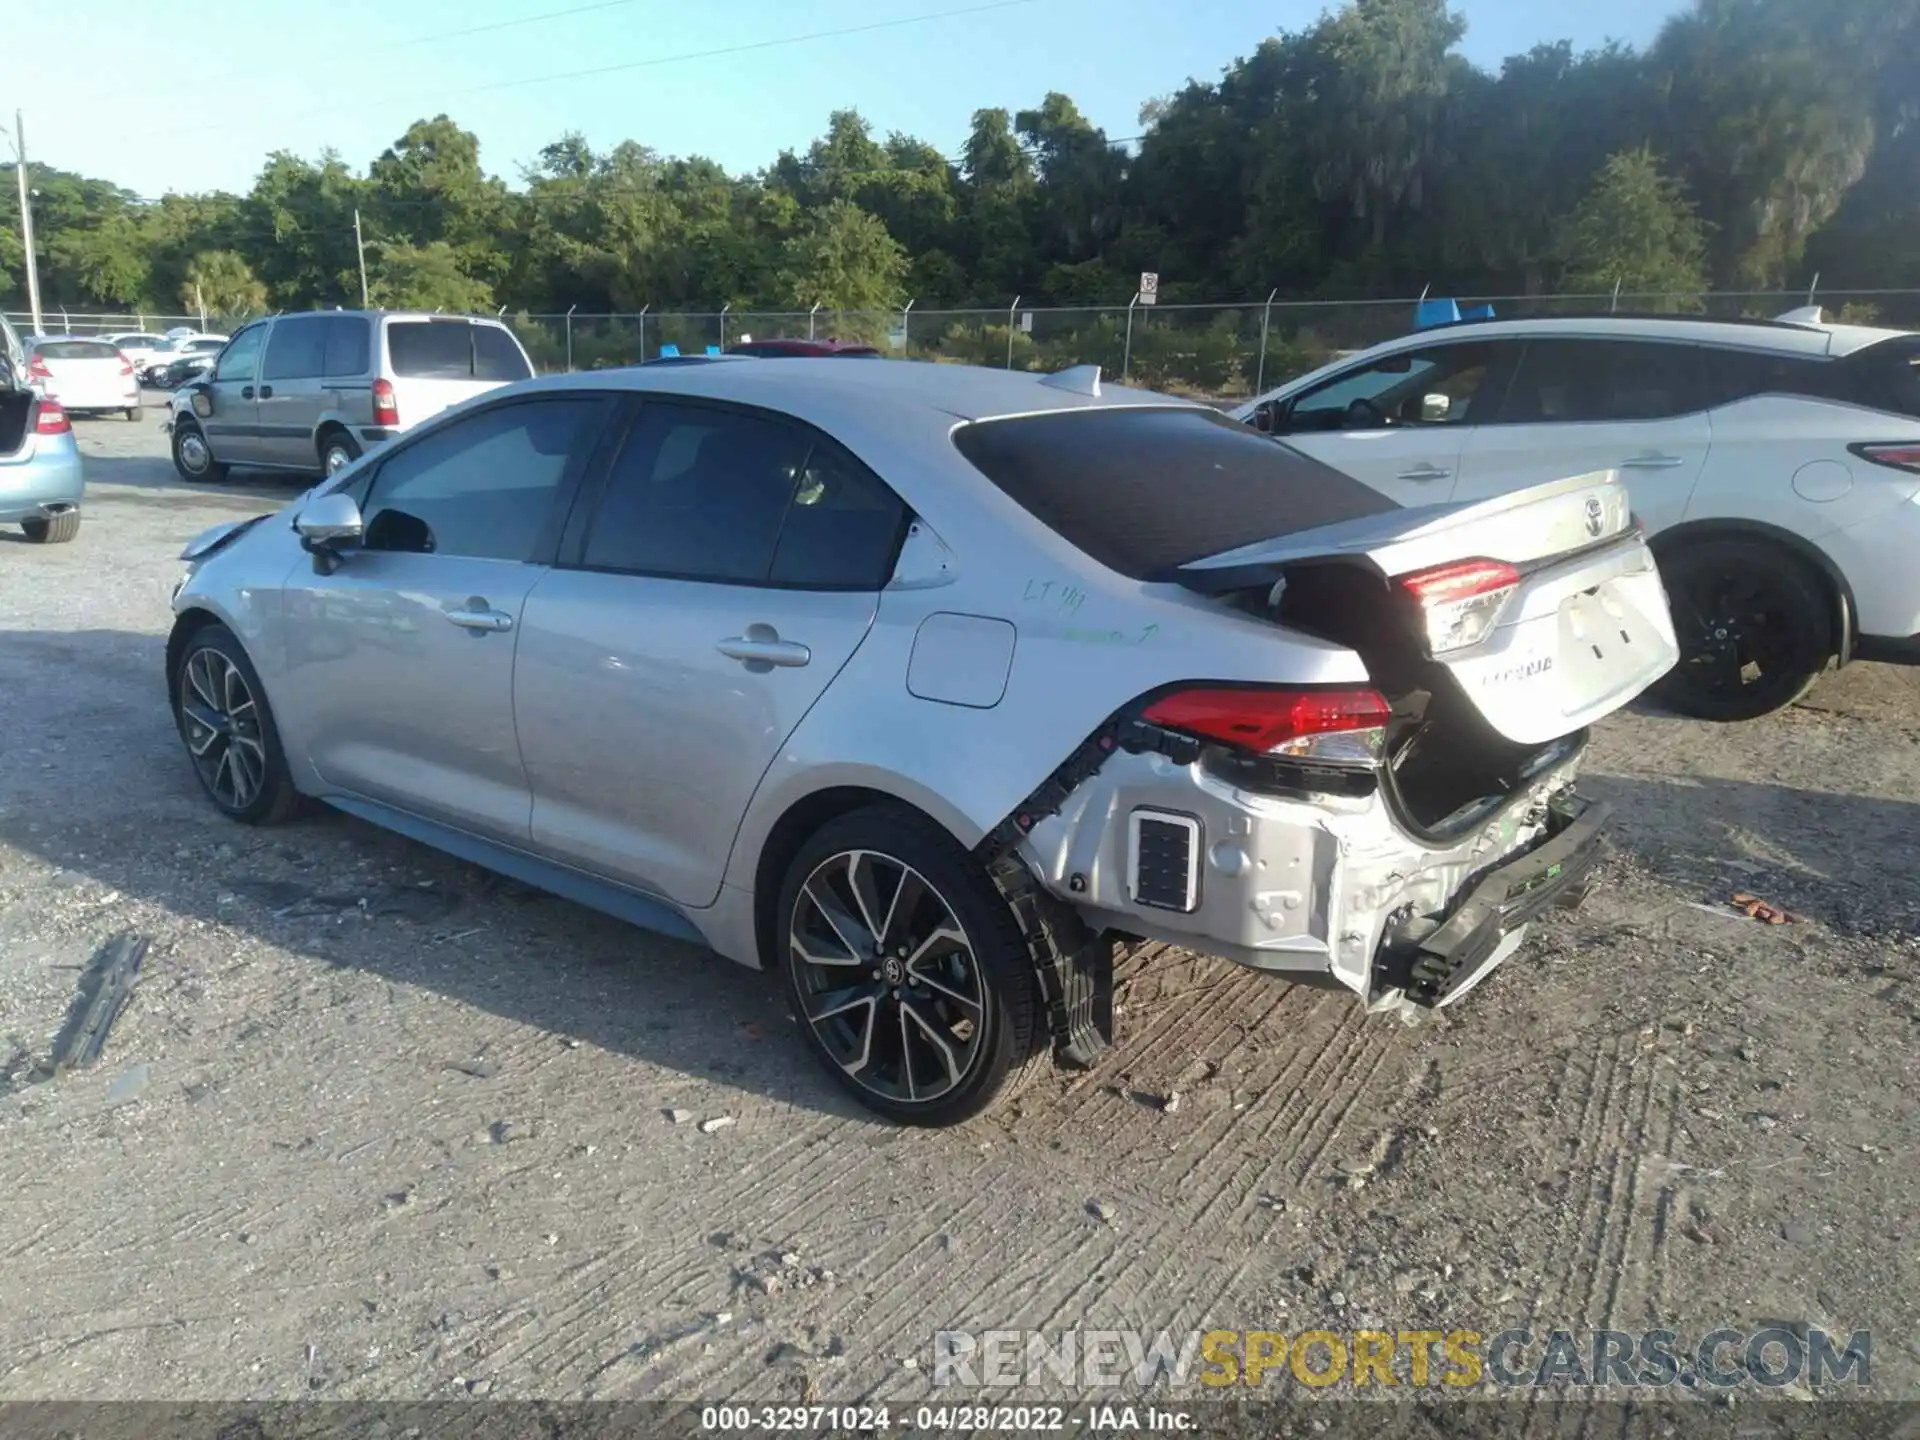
1215	349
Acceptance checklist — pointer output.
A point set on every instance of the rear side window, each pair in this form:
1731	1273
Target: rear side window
296	348
496	357
1146	490
1734	375
1887	376
76	350
1564	382
346	352
453	350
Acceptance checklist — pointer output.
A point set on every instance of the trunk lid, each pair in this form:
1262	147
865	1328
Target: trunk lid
1581	630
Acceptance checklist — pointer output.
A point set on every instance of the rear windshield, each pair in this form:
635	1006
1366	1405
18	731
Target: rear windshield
1144	491
75	350
453	350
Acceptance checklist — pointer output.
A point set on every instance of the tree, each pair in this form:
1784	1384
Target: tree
222	284
844	260
425	277
1636	230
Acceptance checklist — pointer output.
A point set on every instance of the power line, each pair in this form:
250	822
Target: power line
659	60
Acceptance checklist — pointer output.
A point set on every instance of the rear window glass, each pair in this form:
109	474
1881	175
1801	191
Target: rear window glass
439	350
75	350
1146	490
1889	375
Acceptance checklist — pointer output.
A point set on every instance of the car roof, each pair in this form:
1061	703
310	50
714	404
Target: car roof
1779	336
833	395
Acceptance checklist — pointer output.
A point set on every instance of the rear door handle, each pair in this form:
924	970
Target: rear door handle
1425	472
266	392
1653	461
761	648
479	617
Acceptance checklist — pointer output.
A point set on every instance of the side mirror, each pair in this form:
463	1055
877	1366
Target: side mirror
1434	409
327	526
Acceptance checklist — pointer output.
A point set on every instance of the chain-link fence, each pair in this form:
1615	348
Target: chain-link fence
1219	351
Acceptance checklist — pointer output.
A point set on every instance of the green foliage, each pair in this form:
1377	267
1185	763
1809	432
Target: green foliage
1358	155
1637	230
223	283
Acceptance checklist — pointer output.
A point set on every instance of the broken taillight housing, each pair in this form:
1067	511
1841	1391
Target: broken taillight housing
1338	727
1460	602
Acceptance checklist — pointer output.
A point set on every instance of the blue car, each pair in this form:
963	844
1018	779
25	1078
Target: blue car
41	484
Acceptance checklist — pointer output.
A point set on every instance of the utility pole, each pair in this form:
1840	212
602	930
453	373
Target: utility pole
26	217
360	246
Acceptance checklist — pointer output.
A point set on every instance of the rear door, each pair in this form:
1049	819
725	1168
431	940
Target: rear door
399	665
1399	423
436	362
233	426
292	393
1578	406
709	596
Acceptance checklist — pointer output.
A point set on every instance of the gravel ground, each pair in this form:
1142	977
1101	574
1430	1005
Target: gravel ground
378	1125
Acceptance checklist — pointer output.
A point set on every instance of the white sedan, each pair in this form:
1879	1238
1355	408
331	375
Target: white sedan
83	374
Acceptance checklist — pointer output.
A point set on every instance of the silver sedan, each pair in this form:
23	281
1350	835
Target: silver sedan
924	686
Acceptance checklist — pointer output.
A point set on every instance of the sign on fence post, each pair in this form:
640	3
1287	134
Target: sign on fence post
1026	322
1149	287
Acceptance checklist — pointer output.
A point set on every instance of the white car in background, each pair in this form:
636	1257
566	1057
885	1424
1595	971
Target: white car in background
1775	464
83	373
136	345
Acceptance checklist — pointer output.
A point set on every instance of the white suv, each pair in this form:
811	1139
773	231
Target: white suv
1776	464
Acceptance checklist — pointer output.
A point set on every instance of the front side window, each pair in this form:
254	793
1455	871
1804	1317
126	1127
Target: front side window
1441	386
482	486
241	357
1566	382
296	350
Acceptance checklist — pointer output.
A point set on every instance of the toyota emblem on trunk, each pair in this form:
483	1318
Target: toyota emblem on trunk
1596	516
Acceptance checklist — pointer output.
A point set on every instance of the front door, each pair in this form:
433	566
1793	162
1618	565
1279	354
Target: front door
728	572
400	663
1398	423
233	427
1577	407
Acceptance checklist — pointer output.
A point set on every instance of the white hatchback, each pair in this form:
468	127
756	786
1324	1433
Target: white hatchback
1775	463
83	374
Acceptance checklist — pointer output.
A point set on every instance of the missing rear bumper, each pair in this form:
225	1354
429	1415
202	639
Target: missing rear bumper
1473	939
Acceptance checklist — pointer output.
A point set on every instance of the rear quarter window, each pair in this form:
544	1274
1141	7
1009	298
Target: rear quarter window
430	349
1887	376
1145	490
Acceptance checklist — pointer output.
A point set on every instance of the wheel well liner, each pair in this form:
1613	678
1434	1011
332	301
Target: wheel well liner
1845	624
185	627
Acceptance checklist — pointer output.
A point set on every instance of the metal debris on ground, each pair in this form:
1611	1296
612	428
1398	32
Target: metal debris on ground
1754	908
105	988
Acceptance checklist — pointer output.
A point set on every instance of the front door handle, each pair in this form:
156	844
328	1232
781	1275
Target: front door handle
246	392
1425	472
1653	461
479	617
761	648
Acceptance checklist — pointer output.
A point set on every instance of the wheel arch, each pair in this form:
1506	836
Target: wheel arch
801	819
1839	591
186	625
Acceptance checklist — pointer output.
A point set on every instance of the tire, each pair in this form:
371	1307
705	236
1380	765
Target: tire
133	414
970	1010
220	705
189	446
54	530
337	450
1755	626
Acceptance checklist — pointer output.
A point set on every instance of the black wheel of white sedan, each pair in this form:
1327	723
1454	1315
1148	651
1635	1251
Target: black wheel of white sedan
906	967
221	710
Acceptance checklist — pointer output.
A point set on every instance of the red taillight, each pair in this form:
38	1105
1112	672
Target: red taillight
385	410
37	369
1263	720
126	365
53	419
1899	457
1461	601
1461	580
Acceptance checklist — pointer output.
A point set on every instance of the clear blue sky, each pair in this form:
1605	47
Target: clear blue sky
160	96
